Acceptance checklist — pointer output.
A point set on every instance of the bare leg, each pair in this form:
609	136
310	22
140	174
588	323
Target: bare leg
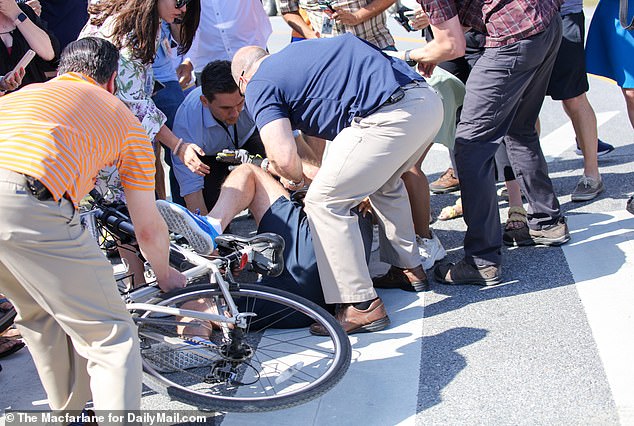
197	327
317	145
629	101
515	193
135	266
418	192
247	186
584	122
516	214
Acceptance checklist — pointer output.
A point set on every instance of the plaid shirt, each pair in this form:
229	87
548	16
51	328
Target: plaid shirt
373	30
503	21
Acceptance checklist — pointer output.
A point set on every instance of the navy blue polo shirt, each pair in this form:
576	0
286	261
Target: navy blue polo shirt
320	85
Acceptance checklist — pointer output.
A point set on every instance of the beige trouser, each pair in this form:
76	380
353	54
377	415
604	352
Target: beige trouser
368	159
82	338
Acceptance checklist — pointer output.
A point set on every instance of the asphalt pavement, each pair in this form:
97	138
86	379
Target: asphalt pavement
550	345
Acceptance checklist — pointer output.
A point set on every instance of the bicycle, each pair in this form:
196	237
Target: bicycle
206	345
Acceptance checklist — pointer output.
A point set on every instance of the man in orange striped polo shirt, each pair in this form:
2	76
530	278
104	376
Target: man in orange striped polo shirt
54	137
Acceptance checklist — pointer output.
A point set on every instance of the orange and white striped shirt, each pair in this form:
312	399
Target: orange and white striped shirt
64	131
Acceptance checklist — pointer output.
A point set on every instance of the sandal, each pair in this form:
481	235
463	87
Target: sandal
516	218
451	212
9	346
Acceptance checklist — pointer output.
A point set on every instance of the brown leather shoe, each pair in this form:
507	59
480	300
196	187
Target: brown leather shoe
448	182
405	279
354	320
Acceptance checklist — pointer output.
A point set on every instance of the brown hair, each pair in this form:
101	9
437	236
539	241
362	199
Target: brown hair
137	25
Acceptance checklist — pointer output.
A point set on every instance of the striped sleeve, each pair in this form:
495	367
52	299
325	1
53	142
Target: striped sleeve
136	162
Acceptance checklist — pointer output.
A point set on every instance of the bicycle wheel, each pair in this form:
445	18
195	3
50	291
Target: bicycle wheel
271	367
6	319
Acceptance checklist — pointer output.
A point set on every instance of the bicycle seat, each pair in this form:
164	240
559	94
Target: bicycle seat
266	255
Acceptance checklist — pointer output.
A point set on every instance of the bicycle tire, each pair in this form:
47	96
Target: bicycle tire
327	358
6	320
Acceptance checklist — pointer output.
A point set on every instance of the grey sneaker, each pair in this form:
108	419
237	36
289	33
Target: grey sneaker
465	273
550	235
587	189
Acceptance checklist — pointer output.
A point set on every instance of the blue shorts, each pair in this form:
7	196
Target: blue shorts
301	276
287	219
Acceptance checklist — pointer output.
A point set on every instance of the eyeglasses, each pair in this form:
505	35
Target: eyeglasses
181	3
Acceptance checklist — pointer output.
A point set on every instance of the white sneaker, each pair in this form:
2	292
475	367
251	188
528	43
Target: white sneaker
431	250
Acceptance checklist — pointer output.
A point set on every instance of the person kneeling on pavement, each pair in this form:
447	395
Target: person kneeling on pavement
274	210
381	116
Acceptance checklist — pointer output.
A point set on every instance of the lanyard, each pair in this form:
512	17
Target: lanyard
233	140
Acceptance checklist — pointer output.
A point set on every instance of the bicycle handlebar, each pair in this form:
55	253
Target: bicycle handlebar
116	224
115	221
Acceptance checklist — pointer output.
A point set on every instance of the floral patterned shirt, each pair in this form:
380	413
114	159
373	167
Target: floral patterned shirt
135	82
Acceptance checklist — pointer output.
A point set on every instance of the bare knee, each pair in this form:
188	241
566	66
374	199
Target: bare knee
576	103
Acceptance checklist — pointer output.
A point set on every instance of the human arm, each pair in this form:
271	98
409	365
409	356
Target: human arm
296	22
448	43
369	11
38	39
187	126
281	150
131	89
153	238
186	152
289	9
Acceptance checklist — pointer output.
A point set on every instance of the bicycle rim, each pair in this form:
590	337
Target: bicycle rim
274	368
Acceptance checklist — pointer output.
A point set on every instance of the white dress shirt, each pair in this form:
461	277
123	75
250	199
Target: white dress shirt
226	26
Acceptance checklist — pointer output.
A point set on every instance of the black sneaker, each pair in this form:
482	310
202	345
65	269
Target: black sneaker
602	148
630	205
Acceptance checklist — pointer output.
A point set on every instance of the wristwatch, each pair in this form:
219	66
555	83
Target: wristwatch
21	18
265	165
409	60
296	184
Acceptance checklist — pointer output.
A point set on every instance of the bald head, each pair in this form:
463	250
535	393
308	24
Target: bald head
244	59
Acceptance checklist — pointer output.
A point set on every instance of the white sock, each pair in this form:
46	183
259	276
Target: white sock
215	223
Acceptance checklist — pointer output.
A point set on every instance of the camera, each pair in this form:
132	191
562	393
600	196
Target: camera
403	15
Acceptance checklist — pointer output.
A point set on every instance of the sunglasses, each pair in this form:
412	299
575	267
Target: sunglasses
181	3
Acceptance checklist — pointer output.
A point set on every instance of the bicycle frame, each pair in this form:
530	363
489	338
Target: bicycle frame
229	360
203	266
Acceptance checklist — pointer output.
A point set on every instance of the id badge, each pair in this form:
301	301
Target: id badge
326	26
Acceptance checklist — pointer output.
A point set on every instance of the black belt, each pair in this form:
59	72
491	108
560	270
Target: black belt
395	97
38	189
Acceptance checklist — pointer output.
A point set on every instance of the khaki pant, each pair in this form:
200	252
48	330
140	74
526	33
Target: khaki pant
82	338
368	159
